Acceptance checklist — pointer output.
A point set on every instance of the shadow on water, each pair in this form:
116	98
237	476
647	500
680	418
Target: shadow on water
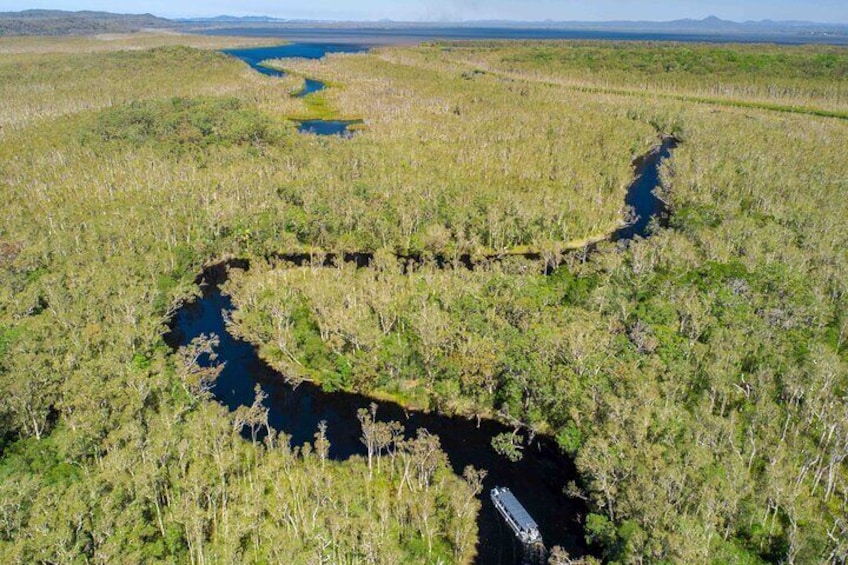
646	206
537	480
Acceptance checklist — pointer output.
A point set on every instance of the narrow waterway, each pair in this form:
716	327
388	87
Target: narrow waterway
648	210
537	480
257	56
310	86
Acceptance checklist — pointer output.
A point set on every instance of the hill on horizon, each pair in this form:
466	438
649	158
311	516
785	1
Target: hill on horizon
60	22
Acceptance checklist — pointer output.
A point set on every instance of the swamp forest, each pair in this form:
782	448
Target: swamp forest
314	314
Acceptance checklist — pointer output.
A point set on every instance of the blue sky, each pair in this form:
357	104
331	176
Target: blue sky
444	10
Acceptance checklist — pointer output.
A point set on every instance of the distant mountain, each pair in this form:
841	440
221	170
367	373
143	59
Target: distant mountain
58	22
709	25
713	24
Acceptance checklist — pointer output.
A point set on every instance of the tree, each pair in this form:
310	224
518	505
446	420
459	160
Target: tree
195	375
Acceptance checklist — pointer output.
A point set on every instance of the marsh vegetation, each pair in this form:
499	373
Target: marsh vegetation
697	377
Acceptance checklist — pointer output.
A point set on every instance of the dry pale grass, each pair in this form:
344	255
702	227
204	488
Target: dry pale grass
47	77
105	42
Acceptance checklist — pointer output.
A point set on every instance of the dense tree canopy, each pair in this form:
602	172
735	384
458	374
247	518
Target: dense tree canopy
697	377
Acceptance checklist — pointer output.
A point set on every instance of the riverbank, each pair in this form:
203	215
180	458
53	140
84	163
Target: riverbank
537	478
300	421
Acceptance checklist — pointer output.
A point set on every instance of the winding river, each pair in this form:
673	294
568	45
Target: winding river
310	86
255	57
537	480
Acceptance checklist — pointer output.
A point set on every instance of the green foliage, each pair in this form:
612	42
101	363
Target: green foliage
657	60
6	337
698	377
41	458
183	125
731	553
600	530
317	108
570	439
506	445
806	79
575	290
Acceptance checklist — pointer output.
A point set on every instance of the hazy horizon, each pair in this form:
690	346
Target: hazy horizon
458	11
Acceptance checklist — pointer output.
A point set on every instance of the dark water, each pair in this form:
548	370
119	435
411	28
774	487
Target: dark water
646	207
327	127
537	480
309	87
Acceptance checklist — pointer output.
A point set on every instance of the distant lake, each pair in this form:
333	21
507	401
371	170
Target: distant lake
400	34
